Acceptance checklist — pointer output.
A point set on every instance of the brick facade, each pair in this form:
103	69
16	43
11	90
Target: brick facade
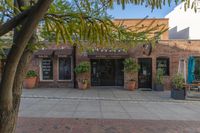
172	49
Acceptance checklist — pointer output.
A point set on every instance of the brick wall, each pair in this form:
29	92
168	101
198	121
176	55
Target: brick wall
55	82
173	49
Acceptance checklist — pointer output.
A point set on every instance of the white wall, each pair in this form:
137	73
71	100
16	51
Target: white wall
184	24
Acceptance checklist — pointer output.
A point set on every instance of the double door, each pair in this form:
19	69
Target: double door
107	72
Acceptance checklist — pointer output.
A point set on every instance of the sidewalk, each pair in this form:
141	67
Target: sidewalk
105	110
106	104
97	93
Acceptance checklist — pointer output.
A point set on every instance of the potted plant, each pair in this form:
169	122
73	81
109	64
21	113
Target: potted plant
30	80
81	69
159	80
178	89
131	67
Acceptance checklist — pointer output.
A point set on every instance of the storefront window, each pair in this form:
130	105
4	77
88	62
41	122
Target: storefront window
197	68
163	63
65	68
47	69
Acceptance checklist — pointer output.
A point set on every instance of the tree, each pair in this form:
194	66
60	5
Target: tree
75	22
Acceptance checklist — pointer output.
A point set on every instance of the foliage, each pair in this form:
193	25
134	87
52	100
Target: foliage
159	76
83	67
130	65
86	24
31	73
178	81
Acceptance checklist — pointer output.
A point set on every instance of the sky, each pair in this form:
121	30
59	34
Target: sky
132	11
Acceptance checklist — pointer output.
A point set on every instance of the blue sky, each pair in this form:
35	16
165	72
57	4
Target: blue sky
132	11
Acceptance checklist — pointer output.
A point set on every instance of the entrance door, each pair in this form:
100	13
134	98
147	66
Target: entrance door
107	72
145	73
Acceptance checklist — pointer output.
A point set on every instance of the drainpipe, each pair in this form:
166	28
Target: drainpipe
74	65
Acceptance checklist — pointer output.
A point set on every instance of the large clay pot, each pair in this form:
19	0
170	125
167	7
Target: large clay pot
82	86
131	85
30	82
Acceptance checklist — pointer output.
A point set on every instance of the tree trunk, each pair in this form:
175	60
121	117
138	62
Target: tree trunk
15	69
18	83
8	119
16	52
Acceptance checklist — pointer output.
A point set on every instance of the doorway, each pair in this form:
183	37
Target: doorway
145	73
107	72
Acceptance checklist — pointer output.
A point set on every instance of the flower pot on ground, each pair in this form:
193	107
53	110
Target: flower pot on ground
30	80
159	80
131	67
80	70
178	94
83	84
131	85
178	91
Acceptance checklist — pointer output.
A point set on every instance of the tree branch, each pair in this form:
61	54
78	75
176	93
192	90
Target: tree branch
15	21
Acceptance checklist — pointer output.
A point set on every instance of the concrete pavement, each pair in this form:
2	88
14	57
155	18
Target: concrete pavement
106	104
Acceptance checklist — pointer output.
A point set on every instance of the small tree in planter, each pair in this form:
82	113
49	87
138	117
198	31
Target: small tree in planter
159	80
30	80
178	89
82	68
131	67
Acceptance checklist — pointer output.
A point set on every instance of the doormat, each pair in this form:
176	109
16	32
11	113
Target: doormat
145	89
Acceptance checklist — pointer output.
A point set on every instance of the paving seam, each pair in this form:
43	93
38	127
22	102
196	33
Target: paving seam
76	108
125	110
113	99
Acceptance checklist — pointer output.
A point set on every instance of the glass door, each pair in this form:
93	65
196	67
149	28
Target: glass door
145	73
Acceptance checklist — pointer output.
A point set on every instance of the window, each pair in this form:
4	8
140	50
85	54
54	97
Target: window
197	68
47	69
163	63
65	68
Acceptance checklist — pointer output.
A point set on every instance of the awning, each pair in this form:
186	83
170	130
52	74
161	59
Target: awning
46	53
108	53
63	52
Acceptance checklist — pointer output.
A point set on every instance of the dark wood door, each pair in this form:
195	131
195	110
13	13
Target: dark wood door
107	72
145	73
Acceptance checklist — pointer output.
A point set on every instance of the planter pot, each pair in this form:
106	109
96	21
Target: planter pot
82	86
30	83
178	94
159	87
131	85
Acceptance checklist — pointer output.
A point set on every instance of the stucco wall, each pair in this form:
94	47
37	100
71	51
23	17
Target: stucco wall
184	20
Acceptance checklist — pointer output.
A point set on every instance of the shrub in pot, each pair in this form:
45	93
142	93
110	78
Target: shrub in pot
82	68
30	80
159	80
178	89
131	67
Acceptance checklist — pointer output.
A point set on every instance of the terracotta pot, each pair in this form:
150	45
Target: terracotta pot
82	86
131	85
30	83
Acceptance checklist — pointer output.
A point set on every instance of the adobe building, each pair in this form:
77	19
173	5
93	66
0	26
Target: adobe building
55	65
